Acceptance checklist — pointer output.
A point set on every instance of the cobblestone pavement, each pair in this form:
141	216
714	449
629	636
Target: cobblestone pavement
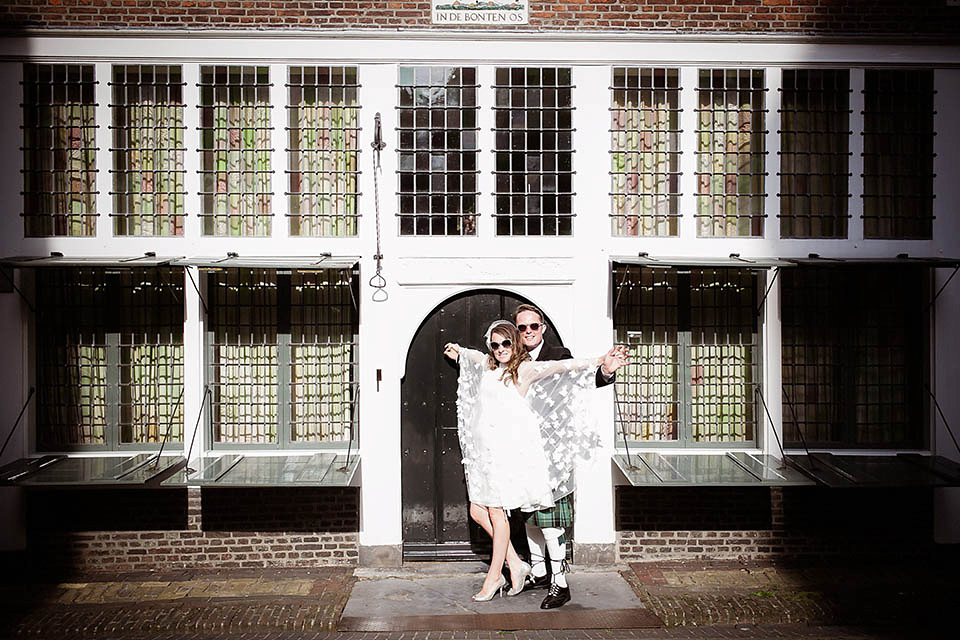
695	600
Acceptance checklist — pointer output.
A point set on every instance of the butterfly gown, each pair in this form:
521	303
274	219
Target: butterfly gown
520	442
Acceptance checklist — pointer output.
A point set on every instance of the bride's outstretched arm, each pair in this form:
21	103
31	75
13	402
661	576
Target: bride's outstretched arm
454	351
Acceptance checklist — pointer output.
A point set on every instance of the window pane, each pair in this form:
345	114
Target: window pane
110	361
437	151
723	355
854	347
323	149
898	154
814	153
147	145
151	354
645	141
244	350
235	133
59	150
730	152
646	318
533	134
693	338
324	381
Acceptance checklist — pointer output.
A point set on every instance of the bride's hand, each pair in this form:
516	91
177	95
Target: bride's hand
451	350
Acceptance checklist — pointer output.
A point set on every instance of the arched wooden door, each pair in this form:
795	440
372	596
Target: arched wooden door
435	519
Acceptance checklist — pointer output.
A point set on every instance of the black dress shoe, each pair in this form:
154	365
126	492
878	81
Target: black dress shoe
557	596
538	583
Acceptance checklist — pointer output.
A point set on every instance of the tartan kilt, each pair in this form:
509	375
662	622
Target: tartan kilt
560	515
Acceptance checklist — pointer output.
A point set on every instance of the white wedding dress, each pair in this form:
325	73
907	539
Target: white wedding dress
520	442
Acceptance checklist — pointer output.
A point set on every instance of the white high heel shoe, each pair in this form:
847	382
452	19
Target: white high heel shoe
523	574
497	588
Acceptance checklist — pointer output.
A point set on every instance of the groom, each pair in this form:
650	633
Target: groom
545	528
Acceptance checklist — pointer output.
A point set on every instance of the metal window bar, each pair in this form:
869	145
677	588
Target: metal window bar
324	148
898	133
814	153
148	150
59	150
645	151
437	151
533	135
235	131
730	152
693	335
110	365
853	354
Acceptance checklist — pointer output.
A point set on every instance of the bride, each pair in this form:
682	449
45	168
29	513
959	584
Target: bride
522	425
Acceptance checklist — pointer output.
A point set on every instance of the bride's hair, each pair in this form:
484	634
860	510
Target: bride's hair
508	331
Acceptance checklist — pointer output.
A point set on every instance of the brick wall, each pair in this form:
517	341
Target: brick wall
729	523
145	529
921	17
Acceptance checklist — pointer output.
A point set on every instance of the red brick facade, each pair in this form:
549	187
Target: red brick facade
151	529
921	17
736	523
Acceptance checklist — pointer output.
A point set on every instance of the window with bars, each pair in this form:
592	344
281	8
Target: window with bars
437	151
645	148
282	353
59	150
148	152
814	153
854	354
109	357
534	151
898	153
694	338
731	155
235	133
324	149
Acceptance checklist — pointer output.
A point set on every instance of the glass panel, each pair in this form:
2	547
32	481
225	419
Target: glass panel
235	133
730	152
245	360
854	347
898	154
646	319
437	151
533	135
111	357
324	329
324	148
814	153
645	141
59	150
148	151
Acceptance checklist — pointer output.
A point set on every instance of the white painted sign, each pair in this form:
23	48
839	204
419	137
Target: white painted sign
480	12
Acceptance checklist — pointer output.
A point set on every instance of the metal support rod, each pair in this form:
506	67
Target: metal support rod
17	422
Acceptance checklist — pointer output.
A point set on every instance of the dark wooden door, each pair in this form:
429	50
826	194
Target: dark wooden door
435	519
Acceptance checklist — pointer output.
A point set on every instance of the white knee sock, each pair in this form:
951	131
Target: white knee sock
557	553
537	553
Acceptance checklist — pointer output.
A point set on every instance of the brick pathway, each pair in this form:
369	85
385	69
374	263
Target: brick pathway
704	601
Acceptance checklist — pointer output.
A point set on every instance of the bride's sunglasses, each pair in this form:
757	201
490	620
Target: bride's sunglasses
496	345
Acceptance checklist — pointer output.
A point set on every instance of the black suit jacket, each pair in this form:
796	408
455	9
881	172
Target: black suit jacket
553	352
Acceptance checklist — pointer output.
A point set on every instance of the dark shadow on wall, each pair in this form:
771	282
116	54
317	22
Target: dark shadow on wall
281	509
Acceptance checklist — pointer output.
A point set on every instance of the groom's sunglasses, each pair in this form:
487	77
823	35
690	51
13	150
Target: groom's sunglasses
496	345
533	326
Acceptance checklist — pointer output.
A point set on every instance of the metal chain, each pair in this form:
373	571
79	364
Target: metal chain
378	282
